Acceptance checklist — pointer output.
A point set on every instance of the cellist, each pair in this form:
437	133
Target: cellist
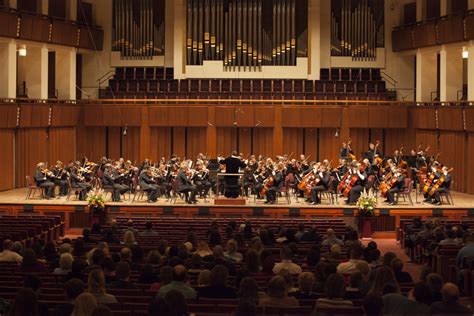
431	178
397	183
442	185
322	179
359	184
276	183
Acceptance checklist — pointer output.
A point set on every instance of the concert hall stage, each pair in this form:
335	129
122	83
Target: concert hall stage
76	214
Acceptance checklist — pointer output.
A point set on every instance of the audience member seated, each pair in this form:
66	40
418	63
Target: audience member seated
400	275
72	288
65	263
204	278
312	257
218	287
178	284
466	252
353	290
435	283
173	304
96	287
331	239
26	303
7	255
248	291
102	310
335	254
84	305
147	275
285	274
218	258
335	288
129	239
278	294
123	277
286	263
450	239
352	238
148	232
166	277
130	228
232	253
305	287
30	263
450	304
351	265
421	296
203	249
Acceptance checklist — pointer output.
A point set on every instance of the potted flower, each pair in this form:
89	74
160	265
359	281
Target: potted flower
366	204
96	202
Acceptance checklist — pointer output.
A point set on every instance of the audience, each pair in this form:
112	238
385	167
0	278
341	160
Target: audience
72	288
305	287
96	287
351	265
218	287
232	254
123	277
65	263
450	304
30	263
286	263
331	239
148	232
400	275
8	255
334	290
85	304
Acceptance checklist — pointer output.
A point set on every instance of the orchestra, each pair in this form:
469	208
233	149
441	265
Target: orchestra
262	177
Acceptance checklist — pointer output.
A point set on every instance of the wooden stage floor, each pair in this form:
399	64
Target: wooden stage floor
461	201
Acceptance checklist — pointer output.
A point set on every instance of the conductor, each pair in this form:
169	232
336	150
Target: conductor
232	165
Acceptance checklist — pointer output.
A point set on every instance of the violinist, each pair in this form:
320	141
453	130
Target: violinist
61	178
148	184
322	179
201	179
443	187
185	186
276	180
397	183
43	180
77	180
304	166
358	171
112	179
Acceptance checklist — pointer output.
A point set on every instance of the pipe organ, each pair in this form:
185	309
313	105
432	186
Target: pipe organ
357	28
139	28
246	34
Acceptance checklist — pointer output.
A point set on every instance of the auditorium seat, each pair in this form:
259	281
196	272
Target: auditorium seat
335	74
225	86
288	86
215	85
122	86
297	86
350	87
160	73
267	85
329	87
143	86
153	85
139	73
237	88
169	73
345	74
150	73
375	74
184	85
173	85
193	85
277	86
129	73
365	74
355	74
113	85
360	87
204	85
256	85
324	74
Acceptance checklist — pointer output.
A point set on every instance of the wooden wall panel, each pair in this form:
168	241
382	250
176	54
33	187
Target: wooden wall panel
196	141
158	115
311	117
245	141
7	145
264	116
428	138
453	153
310	144
90	142
179	142
197	116
112	116
263	141
293	141
245	116
291	117
131	115
93	116
450	119
394	138
114	136
131	145
358	117
329	145
160	143
62	144
34	115
65	115
8	114
397	118
469	166
378	119
331	117
226	140
31	147
360	141
225	116
425	118
178	116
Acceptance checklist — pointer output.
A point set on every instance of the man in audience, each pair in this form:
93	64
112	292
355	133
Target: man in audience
278	294
218	285
178	284
130	228
351	265
286	263
219	259
305	290
450	239
148	232
450	304
72	289
123	277
7	255
331	238
466	251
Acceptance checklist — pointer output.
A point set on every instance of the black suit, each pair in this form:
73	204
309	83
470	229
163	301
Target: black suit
60	179
278	181
443	188
232	165
43	182
77	183
149	185
397	187
185	186
110	182
357	189
322	186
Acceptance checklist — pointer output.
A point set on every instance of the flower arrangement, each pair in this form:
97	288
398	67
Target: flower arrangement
96	200
366	203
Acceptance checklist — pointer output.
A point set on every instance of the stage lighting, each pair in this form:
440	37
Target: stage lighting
124	133
22	51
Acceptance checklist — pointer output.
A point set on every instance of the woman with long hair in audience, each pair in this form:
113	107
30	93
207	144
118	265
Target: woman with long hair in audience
335	289
203	249
30	263
96	287
84	305
129	239
232	253
383	276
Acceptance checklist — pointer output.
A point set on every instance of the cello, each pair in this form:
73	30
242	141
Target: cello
439	183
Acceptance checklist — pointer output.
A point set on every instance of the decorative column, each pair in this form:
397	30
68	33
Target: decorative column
8	57
66	73
426	74
451	62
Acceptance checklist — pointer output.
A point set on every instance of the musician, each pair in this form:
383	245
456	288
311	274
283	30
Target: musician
201	179
278	181
148	184
42	179
373	152
232	165
185	186
443	187
78	180
345	151
112	180
61	178
323	175
359	185
304	163
397	182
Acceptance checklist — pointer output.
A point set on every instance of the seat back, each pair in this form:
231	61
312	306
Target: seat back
408	185
29	181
